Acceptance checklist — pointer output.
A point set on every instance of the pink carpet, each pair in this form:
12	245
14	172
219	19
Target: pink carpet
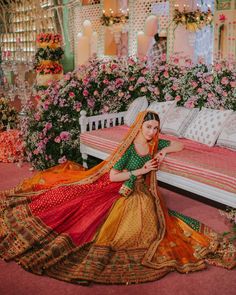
16	281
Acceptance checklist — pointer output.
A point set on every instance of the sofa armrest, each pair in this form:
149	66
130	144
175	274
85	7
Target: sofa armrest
100	121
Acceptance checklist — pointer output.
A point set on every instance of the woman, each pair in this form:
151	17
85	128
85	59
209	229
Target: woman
107	224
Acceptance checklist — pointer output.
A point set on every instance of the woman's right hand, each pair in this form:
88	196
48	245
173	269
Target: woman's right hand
150	166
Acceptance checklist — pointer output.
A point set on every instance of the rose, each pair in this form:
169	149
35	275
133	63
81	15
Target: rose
166	74
65	135
85	92
71	94
225	81
177	98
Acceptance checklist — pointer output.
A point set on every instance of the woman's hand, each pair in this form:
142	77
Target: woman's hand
160	156
150	166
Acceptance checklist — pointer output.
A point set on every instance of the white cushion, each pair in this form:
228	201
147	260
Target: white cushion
178	120
227	137
138	105
206	127
161	108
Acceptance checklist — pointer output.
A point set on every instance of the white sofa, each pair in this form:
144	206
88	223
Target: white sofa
103	131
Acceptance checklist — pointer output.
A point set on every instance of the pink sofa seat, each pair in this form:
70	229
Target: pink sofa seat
214	166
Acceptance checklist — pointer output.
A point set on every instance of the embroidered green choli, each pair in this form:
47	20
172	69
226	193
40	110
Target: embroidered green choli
132	160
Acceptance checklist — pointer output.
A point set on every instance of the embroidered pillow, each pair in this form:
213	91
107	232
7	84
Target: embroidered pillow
206	127
161	108
227	137
178	120
138	105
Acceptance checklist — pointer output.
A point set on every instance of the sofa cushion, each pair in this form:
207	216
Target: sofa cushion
227	137
178	120
138	105
162	109
206	127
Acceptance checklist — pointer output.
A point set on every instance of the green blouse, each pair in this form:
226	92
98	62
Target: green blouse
132	160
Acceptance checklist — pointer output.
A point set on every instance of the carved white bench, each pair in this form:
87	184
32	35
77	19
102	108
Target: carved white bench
87	124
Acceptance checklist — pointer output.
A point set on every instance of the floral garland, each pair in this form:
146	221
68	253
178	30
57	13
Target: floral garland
49	39
49	68
193	20
109	20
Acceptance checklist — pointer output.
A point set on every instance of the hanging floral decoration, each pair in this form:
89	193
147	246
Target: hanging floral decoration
109	20
193	20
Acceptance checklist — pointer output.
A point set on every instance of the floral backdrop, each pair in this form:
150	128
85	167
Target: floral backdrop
51	132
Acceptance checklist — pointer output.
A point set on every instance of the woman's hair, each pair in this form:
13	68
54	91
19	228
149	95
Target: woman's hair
151	116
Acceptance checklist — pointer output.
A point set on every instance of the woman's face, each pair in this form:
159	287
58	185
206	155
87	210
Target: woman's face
150	129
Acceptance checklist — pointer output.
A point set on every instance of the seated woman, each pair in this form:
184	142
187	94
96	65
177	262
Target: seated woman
108	224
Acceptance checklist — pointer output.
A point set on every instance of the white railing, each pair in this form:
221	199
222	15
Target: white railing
100	121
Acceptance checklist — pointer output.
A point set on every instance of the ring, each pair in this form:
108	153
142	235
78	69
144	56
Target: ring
160	154
145	167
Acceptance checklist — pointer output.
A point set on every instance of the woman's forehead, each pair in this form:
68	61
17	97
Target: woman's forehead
151	122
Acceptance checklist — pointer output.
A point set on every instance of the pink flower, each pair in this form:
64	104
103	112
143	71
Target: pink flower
199	90
57	139
85	92
176	60
85	81
78	106
62	160
119	82
37	117
95	93
141	80
144	71
71	94
177	98
105	109
225	94
156	78
168	97
65	135
189	104
36	152
194	84
105	81
143	89
156	91
224	81
175	87
91	103
131	88
163	57
166	74
114	66
218	67
233	84
48	126
209	79
121	94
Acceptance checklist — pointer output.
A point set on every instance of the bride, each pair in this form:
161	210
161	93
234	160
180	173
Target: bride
108	224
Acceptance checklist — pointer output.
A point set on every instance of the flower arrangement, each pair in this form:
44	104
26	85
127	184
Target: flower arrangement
8	115
193	20
109	20
47	58
49	67
49	39
51	130
48	53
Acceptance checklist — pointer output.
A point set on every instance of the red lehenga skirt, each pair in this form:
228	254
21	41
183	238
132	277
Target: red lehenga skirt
90	233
